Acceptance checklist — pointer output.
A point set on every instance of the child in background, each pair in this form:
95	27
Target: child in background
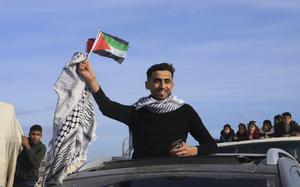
241	134
253	131
267	130
227	134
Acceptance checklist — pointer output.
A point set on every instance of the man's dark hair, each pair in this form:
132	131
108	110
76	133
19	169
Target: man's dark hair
242	125
287	114
267	122
226	125
252	122
35	128
160	67
277	117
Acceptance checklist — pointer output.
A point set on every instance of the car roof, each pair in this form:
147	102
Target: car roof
289	144
235	166
274	139
237	159
213	166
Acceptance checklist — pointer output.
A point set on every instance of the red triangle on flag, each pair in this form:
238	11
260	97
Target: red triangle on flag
101	44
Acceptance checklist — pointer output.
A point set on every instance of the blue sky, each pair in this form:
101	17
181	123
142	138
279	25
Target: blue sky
235	60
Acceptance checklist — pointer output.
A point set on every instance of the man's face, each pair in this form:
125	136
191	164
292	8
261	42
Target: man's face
266	127
251	128
160	84
242	129
287	120
35	136
227	130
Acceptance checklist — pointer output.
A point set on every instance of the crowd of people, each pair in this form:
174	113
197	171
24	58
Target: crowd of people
283	126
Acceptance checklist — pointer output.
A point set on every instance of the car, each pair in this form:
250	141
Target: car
289	144
273	169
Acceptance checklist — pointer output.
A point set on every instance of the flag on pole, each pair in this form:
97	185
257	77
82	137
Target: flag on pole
108	46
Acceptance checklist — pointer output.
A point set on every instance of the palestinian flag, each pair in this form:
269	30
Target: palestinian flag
108	46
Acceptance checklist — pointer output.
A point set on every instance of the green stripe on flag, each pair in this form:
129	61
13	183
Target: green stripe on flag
115	43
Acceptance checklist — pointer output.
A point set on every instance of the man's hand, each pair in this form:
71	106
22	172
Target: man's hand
184	150
25	142
85	71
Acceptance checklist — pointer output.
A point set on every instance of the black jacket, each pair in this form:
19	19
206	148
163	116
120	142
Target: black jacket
28	162
227	137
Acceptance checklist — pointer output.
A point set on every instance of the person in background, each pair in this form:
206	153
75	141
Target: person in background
28	163
253	131
241	134
277	119
267	130
10	143
227	134
287	127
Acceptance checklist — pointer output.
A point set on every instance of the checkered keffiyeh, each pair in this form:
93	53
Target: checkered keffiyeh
159	106
73	127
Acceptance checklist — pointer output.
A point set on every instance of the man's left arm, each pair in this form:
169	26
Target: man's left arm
200	133
207	145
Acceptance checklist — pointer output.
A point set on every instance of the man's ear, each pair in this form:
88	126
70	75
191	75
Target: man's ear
147	85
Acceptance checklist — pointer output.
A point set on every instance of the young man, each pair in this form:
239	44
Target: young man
227	134
287	127
28	163
158	120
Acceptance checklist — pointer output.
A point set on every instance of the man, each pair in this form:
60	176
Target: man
27	171
158	120
10	143
287	127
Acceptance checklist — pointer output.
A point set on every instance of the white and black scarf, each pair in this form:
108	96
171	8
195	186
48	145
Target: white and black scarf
159	106
74	124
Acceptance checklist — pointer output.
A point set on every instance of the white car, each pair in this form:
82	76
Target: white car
276	168
288	144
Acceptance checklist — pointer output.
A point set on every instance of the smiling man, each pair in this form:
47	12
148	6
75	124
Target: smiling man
158	120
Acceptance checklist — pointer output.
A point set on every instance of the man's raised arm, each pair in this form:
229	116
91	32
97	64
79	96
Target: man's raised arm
85	71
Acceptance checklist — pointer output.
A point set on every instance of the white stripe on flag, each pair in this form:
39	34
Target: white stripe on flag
117	52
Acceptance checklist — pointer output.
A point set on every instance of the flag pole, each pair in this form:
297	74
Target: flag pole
94	44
